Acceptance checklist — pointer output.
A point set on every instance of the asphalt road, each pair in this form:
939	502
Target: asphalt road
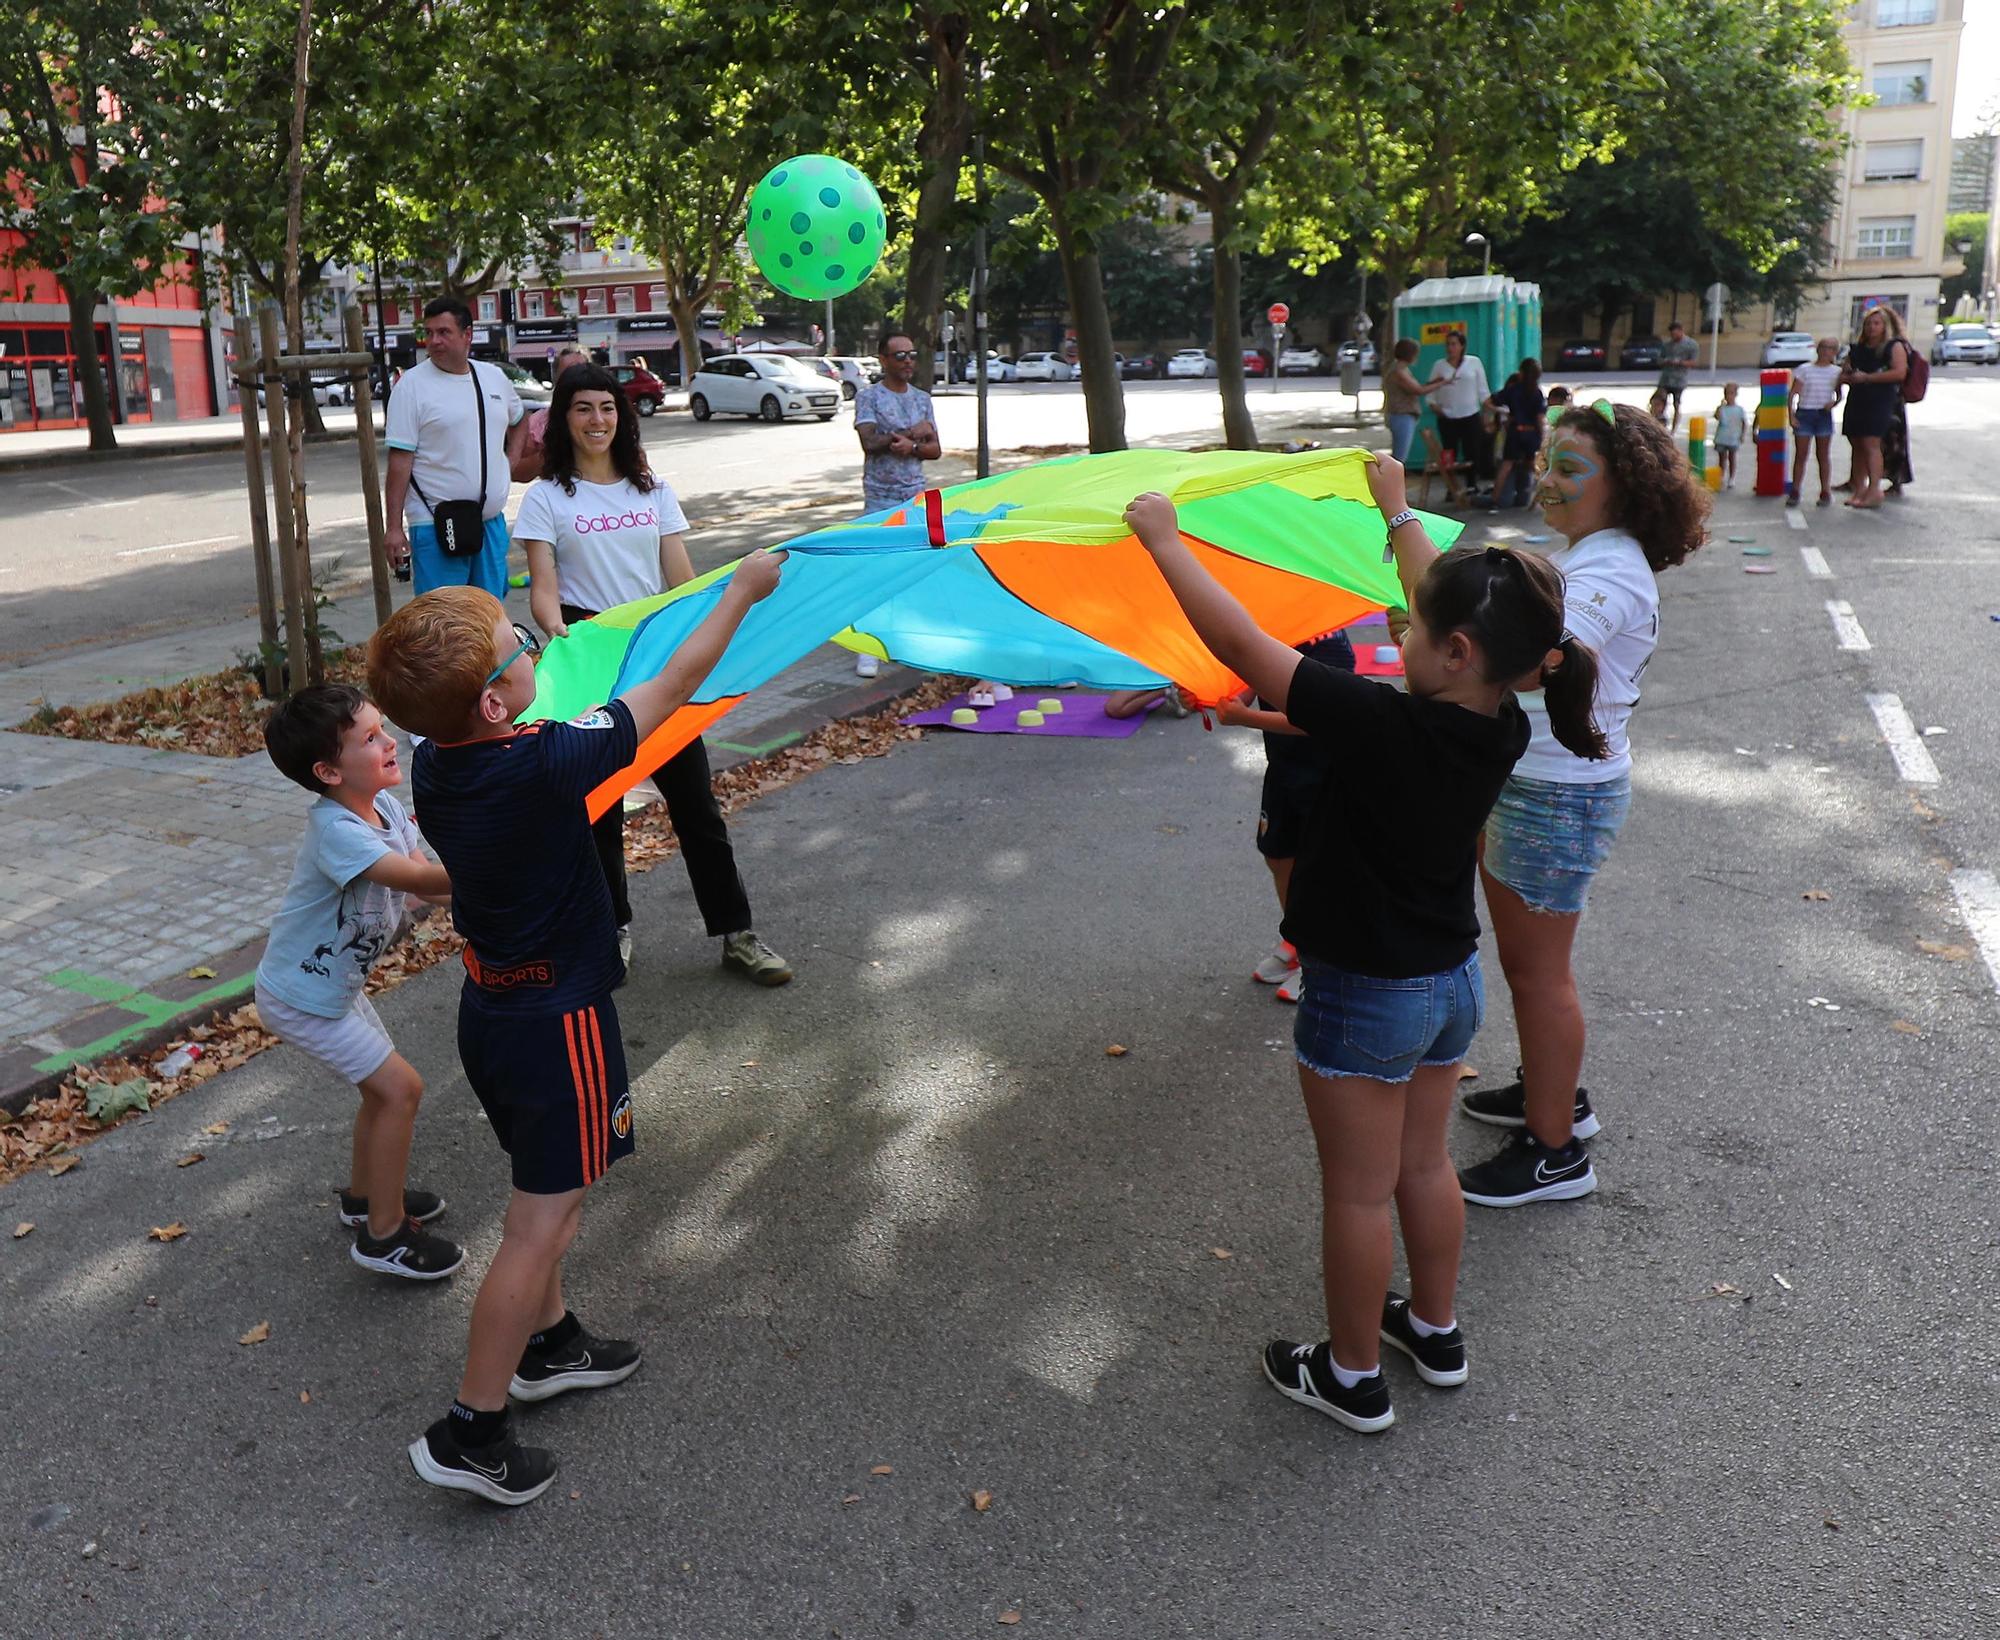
907	1212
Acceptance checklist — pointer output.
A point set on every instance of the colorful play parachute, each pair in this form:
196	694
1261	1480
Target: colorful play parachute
1028	577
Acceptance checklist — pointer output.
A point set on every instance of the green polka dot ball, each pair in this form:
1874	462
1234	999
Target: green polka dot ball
816	227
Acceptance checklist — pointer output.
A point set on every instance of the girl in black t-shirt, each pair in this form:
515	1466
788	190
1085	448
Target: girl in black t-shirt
1380	908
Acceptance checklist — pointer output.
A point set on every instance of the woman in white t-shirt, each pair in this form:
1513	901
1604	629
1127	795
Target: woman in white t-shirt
1621	493
1459	388
601	530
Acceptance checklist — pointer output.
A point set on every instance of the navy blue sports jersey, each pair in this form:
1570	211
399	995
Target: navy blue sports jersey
507	819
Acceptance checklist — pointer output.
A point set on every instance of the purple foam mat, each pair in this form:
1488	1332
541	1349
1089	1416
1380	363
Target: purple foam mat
1082	717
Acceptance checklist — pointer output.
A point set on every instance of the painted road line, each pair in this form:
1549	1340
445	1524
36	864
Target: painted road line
1845	627
1906	746
1795	518
176	546
1816	564
1979	904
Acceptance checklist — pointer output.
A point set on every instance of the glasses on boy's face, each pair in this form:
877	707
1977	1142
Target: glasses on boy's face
530	645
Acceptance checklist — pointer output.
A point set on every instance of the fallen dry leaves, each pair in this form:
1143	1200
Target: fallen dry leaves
982	1501
1815	894
190	1159
305	1400
257	1334
231	725
1116	1050
883	1469
1950	953
167	1232
1220	1252
1009	1617
1906	1027
25	1227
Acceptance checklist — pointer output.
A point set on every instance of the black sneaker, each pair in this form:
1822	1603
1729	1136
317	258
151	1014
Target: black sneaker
419	1205
1526	1170
1440	1359
505	1472
414	1254
585	1362
1304	1373
1508	1107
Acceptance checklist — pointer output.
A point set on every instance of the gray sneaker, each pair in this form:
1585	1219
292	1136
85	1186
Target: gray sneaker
754	959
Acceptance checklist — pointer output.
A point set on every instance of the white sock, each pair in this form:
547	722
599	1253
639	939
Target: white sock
1423	1329
1346	1379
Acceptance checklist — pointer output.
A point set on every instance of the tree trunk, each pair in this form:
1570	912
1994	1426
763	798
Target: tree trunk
1239	430
1103	393
315	662
90	368
687	330
942	138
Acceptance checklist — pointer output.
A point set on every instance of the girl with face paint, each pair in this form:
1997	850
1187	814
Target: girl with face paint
1617	489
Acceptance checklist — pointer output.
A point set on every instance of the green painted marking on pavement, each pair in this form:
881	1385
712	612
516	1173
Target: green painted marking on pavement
764	750
91	985
151	1011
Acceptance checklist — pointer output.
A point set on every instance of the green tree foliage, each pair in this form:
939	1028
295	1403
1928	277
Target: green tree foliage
82	104
1965	228
1739	192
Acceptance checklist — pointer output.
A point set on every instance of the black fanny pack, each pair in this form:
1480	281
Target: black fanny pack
461	525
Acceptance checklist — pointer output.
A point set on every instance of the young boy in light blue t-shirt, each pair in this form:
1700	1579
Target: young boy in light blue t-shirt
360	858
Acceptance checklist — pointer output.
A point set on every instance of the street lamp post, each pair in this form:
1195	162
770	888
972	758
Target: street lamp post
1485	252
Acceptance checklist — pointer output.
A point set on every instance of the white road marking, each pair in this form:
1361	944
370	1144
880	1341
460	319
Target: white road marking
176	546
1795	518
1979	904
1937	563
1845	627
1906	746
1816	565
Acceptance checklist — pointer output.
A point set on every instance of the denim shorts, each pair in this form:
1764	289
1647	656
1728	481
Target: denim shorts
1357	1025
1815	423
1545	840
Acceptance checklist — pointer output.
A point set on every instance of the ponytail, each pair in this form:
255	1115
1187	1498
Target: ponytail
1569	687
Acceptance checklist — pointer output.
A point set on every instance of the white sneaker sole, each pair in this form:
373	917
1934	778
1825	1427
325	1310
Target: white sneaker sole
1585	1127
389	1267
1361	1426
1430	1375
1563	1190
457	1480
549	1388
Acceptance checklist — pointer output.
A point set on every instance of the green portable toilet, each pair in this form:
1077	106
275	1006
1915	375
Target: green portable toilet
1501	319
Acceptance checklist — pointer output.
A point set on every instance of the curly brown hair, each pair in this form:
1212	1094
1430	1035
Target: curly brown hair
1653	488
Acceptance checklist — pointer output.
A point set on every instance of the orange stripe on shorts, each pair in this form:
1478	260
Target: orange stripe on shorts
583	1125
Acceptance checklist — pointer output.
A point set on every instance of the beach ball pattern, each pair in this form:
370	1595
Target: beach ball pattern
816	227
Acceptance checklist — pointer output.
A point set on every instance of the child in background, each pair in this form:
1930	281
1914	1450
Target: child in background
1522	399
1296	767
537	1030
1558	401
1381	910
360	858
1816	389
1656	406
1730	423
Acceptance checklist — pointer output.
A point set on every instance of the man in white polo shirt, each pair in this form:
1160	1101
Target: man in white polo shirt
452	420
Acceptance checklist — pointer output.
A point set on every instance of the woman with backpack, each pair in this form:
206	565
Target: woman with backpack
1874	374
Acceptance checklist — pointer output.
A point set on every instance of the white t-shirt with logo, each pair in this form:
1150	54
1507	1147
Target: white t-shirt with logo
432	414
606	537
1464	389
1611	606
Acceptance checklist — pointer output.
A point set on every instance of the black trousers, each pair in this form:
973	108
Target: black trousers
686	784
1466	437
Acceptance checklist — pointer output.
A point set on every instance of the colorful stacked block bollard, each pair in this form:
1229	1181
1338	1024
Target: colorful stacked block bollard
1774	391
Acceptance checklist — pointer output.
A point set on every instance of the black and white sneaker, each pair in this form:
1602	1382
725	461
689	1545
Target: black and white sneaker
1526	1170
505	1472
419	1205
1304	1373
1508	1107
585	1362
1440	1358
414	1254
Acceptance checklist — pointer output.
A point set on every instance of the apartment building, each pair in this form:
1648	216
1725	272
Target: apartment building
1885	244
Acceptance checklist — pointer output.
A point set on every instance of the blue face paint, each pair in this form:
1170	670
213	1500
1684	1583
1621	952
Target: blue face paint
1569	470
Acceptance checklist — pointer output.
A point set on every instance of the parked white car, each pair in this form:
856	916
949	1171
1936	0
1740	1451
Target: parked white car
771	385
532	390
1788	347
1303	361
1043	367
998	368
1190	362
1968	344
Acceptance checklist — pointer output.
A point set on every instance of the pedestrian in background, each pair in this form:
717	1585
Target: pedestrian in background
454	426
1678	352
1403	398
1730	425
1816	389
897	425
1873	377
1522	399
527	464
1459	381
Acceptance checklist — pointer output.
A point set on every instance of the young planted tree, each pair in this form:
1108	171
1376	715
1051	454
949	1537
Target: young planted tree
82	186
